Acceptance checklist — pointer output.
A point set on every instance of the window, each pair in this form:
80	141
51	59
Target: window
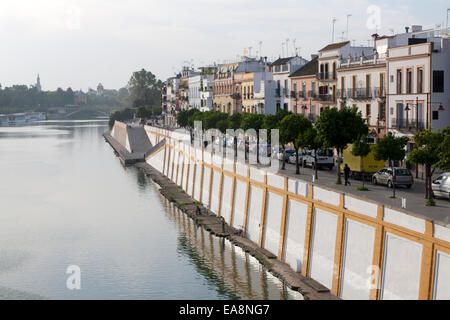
438	81
368	111
399	81
435	115
409	81
304	89
419	80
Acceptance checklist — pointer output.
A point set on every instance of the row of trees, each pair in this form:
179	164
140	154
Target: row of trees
21	98
333	129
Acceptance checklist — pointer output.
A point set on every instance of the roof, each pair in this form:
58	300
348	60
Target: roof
308	69
335	46
281	61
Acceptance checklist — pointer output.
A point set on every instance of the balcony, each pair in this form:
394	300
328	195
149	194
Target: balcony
312	94
326	97
379	92
359	94
293	94
409	125
326	76
278	92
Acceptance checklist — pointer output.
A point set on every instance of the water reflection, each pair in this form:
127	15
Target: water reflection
233	272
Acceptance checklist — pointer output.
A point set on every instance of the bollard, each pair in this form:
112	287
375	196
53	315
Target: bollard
313	178
404	203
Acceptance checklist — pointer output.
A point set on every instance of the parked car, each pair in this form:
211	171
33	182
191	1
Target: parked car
292	158
325	159
441	186
391	176
287	154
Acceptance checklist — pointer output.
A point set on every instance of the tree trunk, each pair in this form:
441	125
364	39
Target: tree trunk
257	147
315	164
297	167
362	172
283	166
339	180
235	146
430	190
393	182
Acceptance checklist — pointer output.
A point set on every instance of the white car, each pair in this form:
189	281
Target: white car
441	186
292	158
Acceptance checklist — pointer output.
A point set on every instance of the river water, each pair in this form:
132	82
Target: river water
66	200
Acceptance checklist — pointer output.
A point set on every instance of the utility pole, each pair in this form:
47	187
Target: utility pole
348	17
333	21
282	50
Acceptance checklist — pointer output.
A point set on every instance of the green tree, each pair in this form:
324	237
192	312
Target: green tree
144	112
310	139
361	148
339	128
430	151
293	127
391	148
145	89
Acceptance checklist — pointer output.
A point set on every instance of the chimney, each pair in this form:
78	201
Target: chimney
407	29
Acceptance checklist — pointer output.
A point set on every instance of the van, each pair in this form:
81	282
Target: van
441	186
325	158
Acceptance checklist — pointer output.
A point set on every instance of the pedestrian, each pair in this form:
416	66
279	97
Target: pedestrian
347	174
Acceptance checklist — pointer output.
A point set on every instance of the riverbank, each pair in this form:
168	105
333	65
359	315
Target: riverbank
309	288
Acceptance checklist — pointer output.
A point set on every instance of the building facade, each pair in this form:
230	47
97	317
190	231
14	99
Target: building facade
329	58
304	93
282	69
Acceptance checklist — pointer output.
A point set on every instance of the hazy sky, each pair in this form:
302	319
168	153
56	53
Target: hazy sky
81	43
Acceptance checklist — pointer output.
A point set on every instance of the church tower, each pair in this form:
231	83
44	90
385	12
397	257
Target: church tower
38	84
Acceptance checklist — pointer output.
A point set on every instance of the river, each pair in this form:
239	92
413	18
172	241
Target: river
66	200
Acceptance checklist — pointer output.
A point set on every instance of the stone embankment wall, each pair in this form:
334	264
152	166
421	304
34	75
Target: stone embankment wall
358	249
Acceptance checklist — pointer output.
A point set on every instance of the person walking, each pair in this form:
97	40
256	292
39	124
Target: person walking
347	174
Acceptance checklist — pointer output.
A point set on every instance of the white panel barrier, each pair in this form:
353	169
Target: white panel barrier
257	175
322	247
401	268
295	234
198	176
298	187
442	277
326	196
191	178
404	220
227	189
273	222
206	183
180	169
357	260
215	192
360	206
241	169
275	181
239	204
254	213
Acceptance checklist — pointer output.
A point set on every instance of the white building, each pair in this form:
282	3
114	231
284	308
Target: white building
419	78
206	92
195	83
329	59
361	83
282	69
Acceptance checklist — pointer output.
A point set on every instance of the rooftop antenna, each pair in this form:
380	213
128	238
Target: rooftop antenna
348	18
354	41
250	51
260	45
333	21
392	30
287	47
342	37
282	50
448	10
295	48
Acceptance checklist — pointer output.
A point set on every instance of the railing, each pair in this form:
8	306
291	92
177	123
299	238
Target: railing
293	94
278	92
326	76
379	92
326	97
312	94
410	124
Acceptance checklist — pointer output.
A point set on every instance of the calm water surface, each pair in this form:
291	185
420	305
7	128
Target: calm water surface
65	199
